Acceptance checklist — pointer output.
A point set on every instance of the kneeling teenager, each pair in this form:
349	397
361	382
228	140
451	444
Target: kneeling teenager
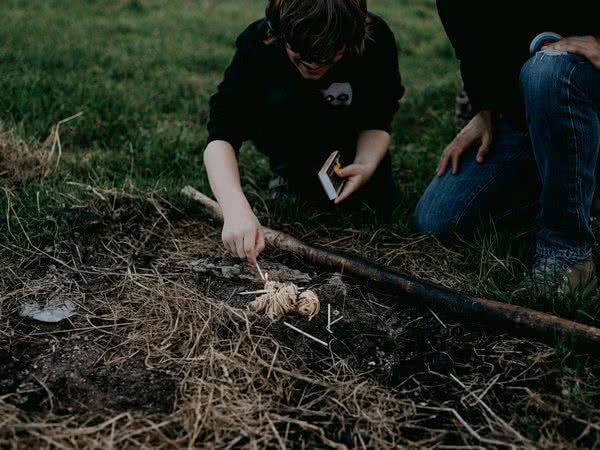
312	77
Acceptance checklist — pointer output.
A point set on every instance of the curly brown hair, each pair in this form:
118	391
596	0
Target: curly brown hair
318	29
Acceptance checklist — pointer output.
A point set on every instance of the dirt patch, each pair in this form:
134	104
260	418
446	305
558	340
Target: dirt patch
159	355
368	333
63	376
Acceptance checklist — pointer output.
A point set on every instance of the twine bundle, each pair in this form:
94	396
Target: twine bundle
283	299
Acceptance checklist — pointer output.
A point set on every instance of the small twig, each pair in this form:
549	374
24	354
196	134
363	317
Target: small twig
50	394
273	362
437	318
81	329
468	427
306	334
328	327
491	412
56	144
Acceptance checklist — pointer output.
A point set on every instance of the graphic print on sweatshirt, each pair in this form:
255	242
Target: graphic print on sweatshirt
338	94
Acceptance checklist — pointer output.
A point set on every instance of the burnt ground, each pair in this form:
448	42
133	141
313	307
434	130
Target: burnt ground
63	377
372	334
160	355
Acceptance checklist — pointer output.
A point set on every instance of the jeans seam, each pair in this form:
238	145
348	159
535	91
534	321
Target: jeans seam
574	137
472	198
511	211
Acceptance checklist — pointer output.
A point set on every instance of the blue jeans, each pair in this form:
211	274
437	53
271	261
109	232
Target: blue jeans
548	167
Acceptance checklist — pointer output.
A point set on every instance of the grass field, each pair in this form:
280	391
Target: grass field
141	73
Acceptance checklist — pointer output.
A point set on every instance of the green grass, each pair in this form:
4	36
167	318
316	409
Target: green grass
142	71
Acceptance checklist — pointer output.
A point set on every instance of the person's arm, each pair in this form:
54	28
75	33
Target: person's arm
230	119
371	147
381	85
242	233
470	37
382	92
480	77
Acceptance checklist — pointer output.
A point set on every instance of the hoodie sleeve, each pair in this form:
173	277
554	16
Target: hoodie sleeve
477	63
231	106
383	84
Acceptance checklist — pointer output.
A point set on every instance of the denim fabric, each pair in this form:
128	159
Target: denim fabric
550	167
561	93
504	186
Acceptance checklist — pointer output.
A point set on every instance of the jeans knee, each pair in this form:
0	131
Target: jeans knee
431	218
543	75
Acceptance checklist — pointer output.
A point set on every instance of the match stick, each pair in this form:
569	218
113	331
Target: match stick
336	321
260	272
262	291
306	334
438	319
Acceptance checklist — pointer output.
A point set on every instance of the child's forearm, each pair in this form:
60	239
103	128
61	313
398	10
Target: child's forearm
242	234
371	147
223	176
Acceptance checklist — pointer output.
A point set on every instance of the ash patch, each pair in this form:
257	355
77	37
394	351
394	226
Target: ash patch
66	378
369	333
237	269
76	217
88	218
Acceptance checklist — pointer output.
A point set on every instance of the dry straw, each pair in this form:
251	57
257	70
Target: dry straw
20	160
239	385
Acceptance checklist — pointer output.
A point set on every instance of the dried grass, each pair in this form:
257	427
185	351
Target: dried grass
21	160
239	385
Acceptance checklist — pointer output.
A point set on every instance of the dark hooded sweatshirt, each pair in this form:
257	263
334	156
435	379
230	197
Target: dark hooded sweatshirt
298	122
492	41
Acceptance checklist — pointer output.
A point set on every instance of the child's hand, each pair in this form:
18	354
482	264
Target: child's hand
243	235
356	175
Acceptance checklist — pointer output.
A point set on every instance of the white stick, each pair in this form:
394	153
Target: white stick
336	320
328	328
306	334
260	272
262	291
438	319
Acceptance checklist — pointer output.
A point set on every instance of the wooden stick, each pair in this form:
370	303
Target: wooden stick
501	315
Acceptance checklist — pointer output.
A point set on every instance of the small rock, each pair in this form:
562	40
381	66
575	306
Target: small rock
51	313
78	217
